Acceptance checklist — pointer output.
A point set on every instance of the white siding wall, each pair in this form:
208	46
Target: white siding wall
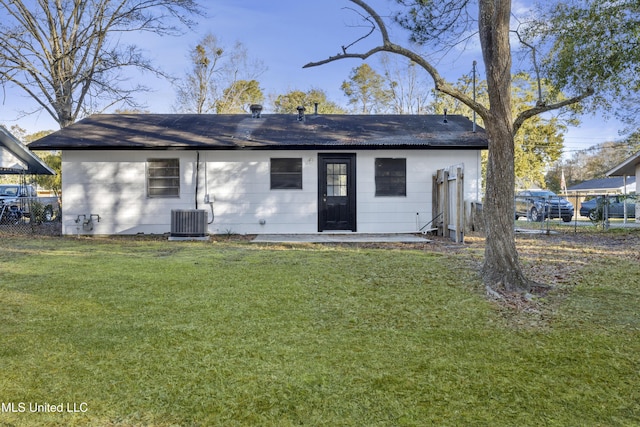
240	183
410	213
638	192
112	184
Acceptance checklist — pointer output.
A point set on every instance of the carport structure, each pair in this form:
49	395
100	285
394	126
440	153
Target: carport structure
16	159
609	186
628	169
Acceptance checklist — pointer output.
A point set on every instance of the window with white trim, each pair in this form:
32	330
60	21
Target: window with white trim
163	178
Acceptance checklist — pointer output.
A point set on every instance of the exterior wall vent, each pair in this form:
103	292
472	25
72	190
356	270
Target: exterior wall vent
188	224
300	113
256	110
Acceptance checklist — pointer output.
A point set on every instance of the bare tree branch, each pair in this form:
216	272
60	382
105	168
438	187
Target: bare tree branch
67	56
440	83
501	268
542	108
373	28
535	64
387	46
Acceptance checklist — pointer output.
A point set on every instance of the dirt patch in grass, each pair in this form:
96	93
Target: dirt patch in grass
569	265
563	263
557	260
553	259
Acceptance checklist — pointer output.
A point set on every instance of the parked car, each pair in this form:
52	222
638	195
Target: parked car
18	201
537	205
13	191
594	208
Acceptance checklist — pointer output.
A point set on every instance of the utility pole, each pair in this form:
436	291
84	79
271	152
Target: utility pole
474	95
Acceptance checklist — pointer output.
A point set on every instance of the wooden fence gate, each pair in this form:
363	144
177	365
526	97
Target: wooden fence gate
448	202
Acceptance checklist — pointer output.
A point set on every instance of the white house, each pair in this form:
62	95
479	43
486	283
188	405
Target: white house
125	174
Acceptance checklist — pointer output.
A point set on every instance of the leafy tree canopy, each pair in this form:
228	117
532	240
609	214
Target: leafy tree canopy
237	98
218	76
289	102
539	142
366	91
593	43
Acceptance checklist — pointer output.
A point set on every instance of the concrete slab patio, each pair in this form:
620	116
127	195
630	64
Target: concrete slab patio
340	238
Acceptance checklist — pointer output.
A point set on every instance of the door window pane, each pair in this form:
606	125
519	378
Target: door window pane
336	179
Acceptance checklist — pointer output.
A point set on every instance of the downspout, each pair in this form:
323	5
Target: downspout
624	200
197	176
207	199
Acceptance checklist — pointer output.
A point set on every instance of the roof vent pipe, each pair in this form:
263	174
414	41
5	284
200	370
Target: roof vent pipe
315	108
301	113
445	116
256	109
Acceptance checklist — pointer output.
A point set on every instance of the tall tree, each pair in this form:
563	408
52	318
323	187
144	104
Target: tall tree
409	93
217	72
289	102
540	142
67	55
366	90
594	42
429	21
195	91
239	96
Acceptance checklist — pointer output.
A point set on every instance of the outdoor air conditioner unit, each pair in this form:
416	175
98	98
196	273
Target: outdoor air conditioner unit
188	223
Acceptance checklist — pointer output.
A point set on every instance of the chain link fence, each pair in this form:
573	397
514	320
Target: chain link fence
589	213
31	215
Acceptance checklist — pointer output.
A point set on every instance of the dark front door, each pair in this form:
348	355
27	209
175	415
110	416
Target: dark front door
336	192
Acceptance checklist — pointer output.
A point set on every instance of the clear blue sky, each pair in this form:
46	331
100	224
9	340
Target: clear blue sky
285	35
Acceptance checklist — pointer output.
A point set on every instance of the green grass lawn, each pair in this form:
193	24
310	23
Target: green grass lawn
157	333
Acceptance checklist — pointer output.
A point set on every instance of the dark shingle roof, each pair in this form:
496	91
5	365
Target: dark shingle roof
270	131
612	183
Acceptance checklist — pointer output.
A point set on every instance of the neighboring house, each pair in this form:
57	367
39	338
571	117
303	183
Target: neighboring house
15	159
260	173
602	186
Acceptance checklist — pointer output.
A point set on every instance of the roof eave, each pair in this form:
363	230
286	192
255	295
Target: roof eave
15	147
626	168
337	147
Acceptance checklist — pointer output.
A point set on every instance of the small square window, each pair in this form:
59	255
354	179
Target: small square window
391	177
286	173
163	178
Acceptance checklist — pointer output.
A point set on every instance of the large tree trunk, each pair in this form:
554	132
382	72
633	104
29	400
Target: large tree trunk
501	268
